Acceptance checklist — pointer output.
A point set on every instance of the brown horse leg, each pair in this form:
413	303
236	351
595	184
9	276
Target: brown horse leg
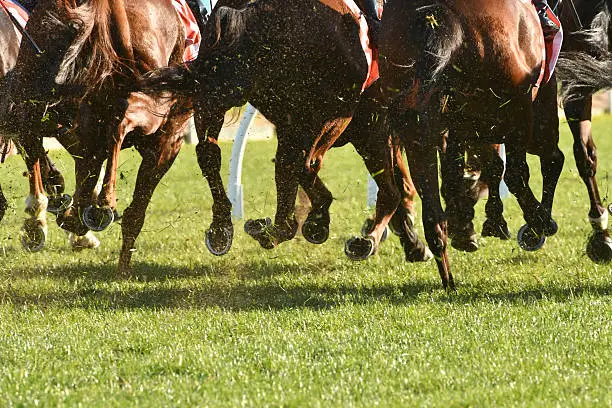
34	230
578	112
150	173
423	162
403	221
495	225
221	231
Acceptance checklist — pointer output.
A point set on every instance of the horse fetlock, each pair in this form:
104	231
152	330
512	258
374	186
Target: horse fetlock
36	206
600	223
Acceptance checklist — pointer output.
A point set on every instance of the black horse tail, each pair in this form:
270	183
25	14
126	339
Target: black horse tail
582	74
589	70
440	35
179	79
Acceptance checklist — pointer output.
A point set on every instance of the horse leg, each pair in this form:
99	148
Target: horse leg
34	230
546	145
459	203
288	167
3	204
151	170
221	231
495	225
531	236
423	162
578	113
315	228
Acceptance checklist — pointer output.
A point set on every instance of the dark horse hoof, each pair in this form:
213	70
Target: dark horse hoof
530	240
316	227
599	247
219	240
552	228
465	243
495	229
359	248
33	237
258	229
98	218
368	226
59	204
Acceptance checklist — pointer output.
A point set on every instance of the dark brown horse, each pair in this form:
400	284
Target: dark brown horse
584	68
302	65
469	66
93	50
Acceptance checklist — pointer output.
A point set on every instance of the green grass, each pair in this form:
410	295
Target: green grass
301	325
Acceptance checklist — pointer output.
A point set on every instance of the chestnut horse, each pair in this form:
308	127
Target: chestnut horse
93	50
585	67
271	54
469	66
53	180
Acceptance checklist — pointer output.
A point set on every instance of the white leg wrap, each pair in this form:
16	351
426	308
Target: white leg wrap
37	208
600	223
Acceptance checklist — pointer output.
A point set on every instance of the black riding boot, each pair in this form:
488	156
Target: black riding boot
549	27
370	11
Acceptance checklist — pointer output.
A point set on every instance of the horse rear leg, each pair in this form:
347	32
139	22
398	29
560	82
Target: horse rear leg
578	113
492	173
315	228
289	164
220	234
151	170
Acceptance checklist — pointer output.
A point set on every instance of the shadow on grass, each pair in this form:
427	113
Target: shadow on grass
164	287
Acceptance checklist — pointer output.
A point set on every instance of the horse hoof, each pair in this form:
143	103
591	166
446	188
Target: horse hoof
98	218
368	226
529	240
258	229
465	243
80	242
552	228
33	237
219	240
59	204
314	232
359	248
497	230
419	255
599	248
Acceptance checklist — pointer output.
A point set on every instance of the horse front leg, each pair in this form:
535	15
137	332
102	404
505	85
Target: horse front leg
289	163
423	162
495	224
152	169
220	234
578	113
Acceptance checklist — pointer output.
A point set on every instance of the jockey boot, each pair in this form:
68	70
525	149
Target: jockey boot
549	27
370	11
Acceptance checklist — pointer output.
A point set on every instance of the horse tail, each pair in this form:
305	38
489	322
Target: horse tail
590	70
102	43
180	79
439	34
582	74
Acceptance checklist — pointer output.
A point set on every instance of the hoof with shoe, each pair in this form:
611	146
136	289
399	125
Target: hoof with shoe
359	248
87	241
495	229
599	247
260	230
33	236
98	218
219	240
59	204
368	226
465	243
529	240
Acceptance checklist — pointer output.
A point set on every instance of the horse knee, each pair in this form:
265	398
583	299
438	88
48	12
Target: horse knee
209	157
